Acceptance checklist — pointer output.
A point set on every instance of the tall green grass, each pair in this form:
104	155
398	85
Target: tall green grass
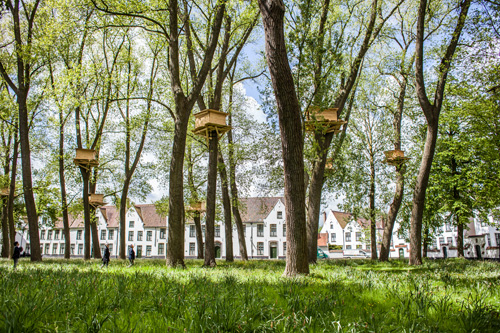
338	296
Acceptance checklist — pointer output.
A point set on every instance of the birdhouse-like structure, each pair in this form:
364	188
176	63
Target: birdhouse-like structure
395	157
198	206
329	165
86	158
323	118
4	192
208	121
96	200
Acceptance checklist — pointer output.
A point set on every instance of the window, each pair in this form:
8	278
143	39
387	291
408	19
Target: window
483	222
358	247
260	230
284	229
348	247
273	230
450	240
139	251
162	233
111	235
368	246
56	234
333	237
103	234
139	235
49	235
347	236
331	225
62	235
80	249
161	248
358	237
192	231
79	235
441	240
191	249
110	247
131	224
28	248
203	230
54	248
42	235
149	235
284	248
148	250
260	248
130	236
434	243
448	227
72	249
217	231
62	248
47	248
279	215
489	240
497	238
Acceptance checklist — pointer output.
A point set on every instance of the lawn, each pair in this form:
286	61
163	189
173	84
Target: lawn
338	296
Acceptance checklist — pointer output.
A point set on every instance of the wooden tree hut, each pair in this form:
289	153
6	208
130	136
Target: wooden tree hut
96	200
86	158
395	157
317	118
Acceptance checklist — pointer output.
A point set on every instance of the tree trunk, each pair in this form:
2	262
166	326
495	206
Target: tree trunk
199	234
373	217
62	182
96	248
419	195
29	199
460	238
426	241
175	245
12	194
385	249
123	221
226	202
211	196
292	141
5	229
86	214
234	191
315	190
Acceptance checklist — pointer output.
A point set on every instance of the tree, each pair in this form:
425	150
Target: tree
431	112
292	142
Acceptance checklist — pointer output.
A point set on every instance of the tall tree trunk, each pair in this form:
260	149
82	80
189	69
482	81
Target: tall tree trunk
199	234
460	239
123	222
426	241
5	228
29	199
62	182
373	217
385	248
86	214
12	194
226	203
211	196
315	190
96	248
234	189
431	112
292	141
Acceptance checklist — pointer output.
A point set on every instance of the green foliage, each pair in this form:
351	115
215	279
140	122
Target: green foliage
338	296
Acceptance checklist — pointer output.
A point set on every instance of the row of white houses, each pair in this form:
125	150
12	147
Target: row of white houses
265	234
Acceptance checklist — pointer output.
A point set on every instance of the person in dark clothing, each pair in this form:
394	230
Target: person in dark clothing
17	253
105	257
131	255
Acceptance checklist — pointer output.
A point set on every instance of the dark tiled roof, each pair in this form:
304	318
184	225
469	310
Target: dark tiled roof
257	209
111	216
342	218
149	217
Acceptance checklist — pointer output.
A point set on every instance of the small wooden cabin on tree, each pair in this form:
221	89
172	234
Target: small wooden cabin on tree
208	121
86	158
323	119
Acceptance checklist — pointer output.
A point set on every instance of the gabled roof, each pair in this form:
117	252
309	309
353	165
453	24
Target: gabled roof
342	218
149	217
111	216
257	209
76	221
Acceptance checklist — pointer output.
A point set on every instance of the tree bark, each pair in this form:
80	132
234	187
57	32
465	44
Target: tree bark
12	194
211	197
199	234
5	229
226	203
292	141
62	182
86	215
431	112
373	217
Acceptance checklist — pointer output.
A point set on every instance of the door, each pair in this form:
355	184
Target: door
401	253
274	252
478	252
445	252
217	251
139	251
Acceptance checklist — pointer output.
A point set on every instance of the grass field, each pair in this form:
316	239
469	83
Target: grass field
338	296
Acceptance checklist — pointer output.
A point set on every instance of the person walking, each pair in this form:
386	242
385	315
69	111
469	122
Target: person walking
131	255
16	253
105	257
